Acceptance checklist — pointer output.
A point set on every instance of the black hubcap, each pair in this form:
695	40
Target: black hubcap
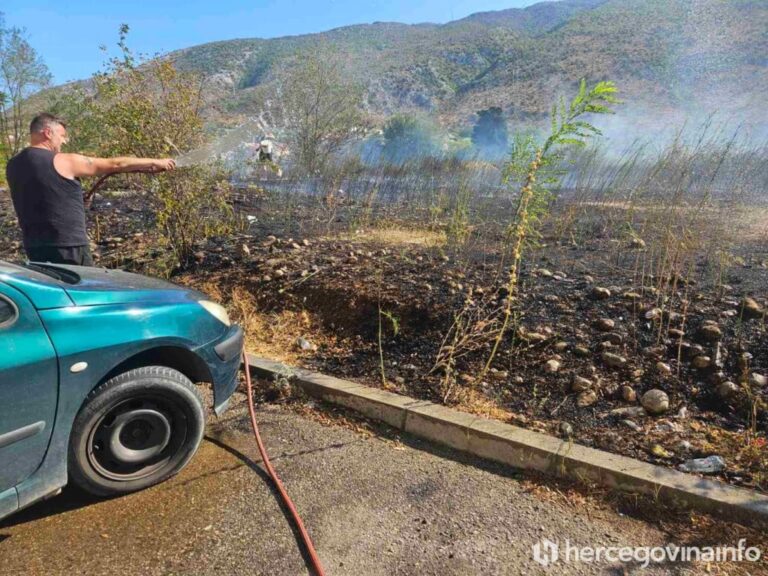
136	437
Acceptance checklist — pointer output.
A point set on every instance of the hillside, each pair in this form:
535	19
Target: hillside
669	54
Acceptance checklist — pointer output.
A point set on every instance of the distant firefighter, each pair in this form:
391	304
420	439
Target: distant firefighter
265	149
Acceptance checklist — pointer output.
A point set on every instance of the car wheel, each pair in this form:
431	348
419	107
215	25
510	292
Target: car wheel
135	430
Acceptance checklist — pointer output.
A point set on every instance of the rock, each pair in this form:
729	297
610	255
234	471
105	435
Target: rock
243	251
266	278
628	394
613	360
632	296
279	273
199	256
751	309
581	351
544	272
653	314
560	346
701	362
566	429
581	384
710	332
683	446
676	333
615	338
659	451
534	337
655	401
708	465
599	293
552	366
637	243
663	368
586	398
630	411
666	426
305	345
604	324
727	390
633	425
757	380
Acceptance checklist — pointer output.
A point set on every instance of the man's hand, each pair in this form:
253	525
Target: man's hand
163	165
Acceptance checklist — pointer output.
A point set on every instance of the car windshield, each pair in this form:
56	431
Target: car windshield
61	274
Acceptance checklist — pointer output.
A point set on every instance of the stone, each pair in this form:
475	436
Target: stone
633	425
544	272
676	333
243	251
708	465
637	243
727	390
614	338
632	296
660	452
757	380
580	384
701	362
751	309
655	401
663	368
566	429
710	332
604	324
653	314
581	351
613	360
586	398
199	256
560	346
629	411
552	366
599	293
628	394
305	345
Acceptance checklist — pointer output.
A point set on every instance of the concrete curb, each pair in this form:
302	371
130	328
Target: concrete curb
526	449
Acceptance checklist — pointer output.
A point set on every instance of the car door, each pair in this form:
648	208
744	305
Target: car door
28	388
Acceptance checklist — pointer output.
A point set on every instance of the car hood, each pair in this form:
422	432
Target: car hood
97	286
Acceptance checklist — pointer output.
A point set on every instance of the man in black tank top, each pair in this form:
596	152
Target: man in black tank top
47	195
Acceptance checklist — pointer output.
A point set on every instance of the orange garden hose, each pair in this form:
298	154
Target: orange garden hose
314	558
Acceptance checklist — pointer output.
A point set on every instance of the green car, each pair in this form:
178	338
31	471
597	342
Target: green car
96	379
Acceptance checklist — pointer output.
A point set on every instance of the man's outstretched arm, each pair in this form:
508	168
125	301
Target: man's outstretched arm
77	165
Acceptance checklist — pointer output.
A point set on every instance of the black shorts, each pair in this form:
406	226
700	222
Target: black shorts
74	255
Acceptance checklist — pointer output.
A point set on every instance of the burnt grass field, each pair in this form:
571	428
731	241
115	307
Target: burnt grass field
595	325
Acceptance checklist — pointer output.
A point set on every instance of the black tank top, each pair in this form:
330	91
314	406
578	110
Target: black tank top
49	206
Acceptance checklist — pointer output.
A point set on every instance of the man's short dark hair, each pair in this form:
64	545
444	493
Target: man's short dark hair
43	121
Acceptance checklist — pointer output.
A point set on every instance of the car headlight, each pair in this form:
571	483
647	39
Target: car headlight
217	311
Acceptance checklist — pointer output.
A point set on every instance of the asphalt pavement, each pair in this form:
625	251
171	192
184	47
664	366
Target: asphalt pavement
375	504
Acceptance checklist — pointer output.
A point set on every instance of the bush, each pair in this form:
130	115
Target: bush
408	137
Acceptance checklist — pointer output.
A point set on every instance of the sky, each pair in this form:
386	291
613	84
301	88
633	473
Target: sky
68	33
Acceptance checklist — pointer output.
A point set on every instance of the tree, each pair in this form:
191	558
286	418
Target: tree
489	133
321	110
22	73
149	108
408	137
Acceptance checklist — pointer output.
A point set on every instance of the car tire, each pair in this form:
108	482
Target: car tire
135	430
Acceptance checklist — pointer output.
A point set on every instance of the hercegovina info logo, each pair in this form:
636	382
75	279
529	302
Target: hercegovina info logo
546	552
